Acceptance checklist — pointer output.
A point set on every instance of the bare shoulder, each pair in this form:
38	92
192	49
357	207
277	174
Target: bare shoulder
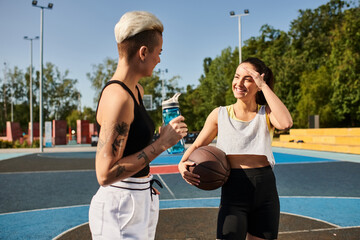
115	103
214	113
213	116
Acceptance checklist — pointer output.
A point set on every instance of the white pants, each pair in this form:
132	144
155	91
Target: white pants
124	210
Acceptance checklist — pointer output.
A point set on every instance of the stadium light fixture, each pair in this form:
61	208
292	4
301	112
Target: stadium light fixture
232	14
41	120
30	88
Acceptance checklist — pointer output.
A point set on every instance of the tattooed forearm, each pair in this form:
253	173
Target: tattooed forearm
153	150
121	131
144	156
120	170
116	145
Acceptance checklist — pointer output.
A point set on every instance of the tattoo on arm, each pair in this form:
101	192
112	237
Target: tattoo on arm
144	156
121	131
120	170
153	151
100	145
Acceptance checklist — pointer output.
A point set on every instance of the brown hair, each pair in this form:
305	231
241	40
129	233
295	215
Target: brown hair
269	77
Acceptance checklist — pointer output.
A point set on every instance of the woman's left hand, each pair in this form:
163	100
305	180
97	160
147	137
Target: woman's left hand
258	79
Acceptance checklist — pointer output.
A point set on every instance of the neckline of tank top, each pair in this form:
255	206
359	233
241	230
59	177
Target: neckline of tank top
139	103
231	112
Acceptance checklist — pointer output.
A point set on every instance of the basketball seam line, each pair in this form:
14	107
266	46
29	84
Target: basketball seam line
217	159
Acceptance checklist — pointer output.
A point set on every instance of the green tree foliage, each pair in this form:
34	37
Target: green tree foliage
344	62
100	75
316	92
86	114
215	86
72	118
316	65
60	96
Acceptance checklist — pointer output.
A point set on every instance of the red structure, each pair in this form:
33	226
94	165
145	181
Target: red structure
36	130
13	131
59	132
82	130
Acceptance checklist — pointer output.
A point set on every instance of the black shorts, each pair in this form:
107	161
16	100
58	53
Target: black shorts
249	204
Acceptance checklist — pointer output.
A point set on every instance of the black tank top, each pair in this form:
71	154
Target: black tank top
141	129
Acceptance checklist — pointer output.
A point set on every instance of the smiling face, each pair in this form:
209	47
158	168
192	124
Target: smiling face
243	85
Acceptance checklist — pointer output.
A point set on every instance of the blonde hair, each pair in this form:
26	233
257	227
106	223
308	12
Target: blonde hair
132	23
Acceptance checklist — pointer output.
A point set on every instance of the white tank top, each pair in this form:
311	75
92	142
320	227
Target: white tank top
240	137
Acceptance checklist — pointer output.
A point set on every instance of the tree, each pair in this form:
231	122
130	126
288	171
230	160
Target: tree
316	92
88	114
72	118
344	61
101	74
60	95
215	87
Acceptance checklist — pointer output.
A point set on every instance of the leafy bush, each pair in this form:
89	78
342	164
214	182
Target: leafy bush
5	144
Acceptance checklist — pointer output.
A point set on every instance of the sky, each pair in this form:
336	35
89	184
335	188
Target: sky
79	34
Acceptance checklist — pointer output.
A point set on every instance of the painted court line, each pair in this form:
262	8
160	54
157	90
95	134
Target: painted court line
319	154
166	186
164	169
54	221
5	156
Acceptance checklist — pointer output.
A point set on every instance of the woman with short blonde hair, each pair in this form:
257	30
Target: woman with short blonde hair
126	206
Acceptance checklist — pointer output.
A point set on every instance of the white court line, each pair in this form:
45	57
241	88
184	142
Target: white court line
6	156
166	186
69	230
345	157
50	171
311	218
328	197
44	209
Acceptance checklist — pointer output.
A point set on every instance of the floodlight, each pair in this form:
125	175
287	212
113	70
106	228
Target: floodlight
232	13
50	5
34	3
246	11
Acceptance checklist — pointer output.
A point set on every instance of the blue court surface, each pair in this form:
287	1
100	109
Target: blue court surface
42	203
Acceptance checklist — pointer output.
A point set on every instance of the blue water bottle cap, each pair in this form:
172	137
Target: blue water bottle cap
171	102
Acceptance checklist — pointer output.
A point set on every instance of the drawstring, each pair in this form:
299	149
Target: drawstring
152	190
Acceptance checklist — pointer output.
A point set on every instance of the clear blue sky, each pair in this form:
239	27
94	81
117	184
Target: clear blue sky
80	33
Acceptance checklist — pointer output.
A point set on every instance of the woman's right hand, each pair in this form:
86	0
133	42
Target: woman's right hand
190	178
173	132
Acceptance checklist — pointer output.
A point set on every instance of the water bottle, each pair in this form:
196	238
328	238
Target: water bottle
170	110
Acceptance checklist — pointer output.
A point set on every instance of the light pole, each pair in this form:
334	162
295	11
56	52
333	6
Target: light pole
4	89
50	6
232	14
31	89
163	83
12	98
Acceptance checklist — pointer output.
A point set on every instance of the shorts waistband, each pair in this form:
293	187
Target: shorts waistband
134	183
248	172
138	184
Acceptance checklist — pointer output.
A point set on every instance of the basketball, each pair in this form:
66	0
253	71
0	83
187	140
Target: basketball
211	165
